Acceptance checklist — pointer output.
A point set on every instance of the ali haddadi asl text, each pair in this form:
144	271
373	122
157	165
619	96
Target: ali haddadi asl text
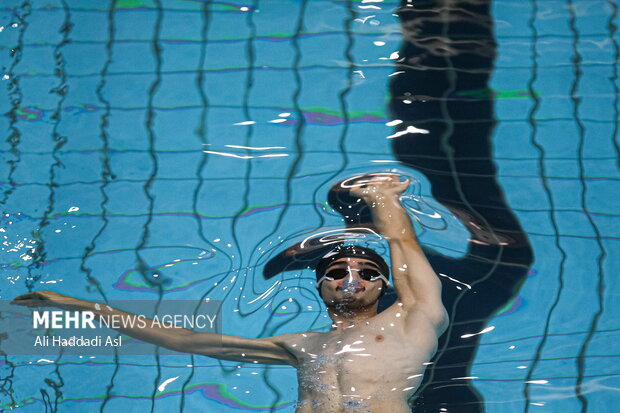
56	341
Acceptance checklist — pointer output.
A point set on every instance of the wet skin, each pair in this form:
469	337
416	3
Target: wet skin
373	362
368	362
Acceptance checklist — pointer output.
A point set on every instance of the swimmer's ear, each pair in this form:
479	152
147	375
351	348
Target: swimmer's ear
384	288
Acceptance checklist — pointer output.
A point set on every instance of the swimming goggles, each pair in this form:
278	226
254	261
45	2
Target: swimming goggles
366	274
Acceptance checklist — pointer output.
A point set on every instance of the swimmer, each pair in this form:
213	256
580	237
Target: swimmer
369	361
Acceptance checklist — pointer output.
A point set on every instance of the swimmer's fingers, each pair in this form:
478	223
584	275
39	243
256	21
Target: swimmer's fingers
380	187
378	179
402	186
365	181
32	299
32	303
39	299
24	298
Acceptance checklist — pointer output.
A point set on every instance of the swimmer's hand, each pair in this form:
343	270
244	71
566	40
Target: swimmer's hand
38	299
381	192
377	189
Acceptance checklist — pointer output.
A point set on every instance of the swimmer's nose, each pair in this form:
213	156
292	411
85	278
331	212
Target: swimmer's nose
353	276
351	284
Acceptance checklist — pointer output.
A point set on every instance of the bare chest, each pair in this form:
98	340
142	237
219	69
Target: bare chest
362	362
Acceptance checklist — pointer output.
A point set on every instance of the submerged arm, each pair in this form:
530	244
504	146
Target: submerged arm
415	281
270	350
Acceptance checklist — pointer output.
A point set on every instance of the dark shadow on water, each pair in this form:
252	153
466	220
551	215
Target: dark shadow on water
441	94
446	60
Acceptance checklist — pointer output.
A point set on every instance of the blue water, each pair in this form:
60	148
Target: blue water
116	155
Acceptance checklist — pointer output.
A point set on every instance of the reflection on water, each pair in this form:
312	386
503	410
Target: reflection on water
192	150
449	50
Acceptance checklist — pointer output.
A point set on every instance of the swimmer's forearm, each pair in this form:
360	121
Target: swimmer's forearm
392	221
139	327
415	281
159	334
269	350
221	346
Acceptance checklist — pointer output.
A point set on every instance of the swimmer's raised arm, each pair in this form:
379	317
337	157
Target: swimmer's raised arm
270	350
415	281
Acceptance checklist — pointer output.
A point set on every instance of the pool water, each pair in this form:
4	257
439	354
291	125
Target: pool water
172	149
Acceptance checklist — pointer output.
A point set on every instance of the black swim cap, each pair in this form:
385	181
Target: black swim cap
351	251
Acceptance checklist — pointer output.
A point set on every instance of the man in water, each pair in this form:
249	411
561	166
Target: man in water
368	362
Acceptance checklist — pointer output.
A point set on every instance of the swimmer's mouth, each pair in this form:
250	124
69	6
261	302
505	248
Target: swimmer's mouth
357	290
